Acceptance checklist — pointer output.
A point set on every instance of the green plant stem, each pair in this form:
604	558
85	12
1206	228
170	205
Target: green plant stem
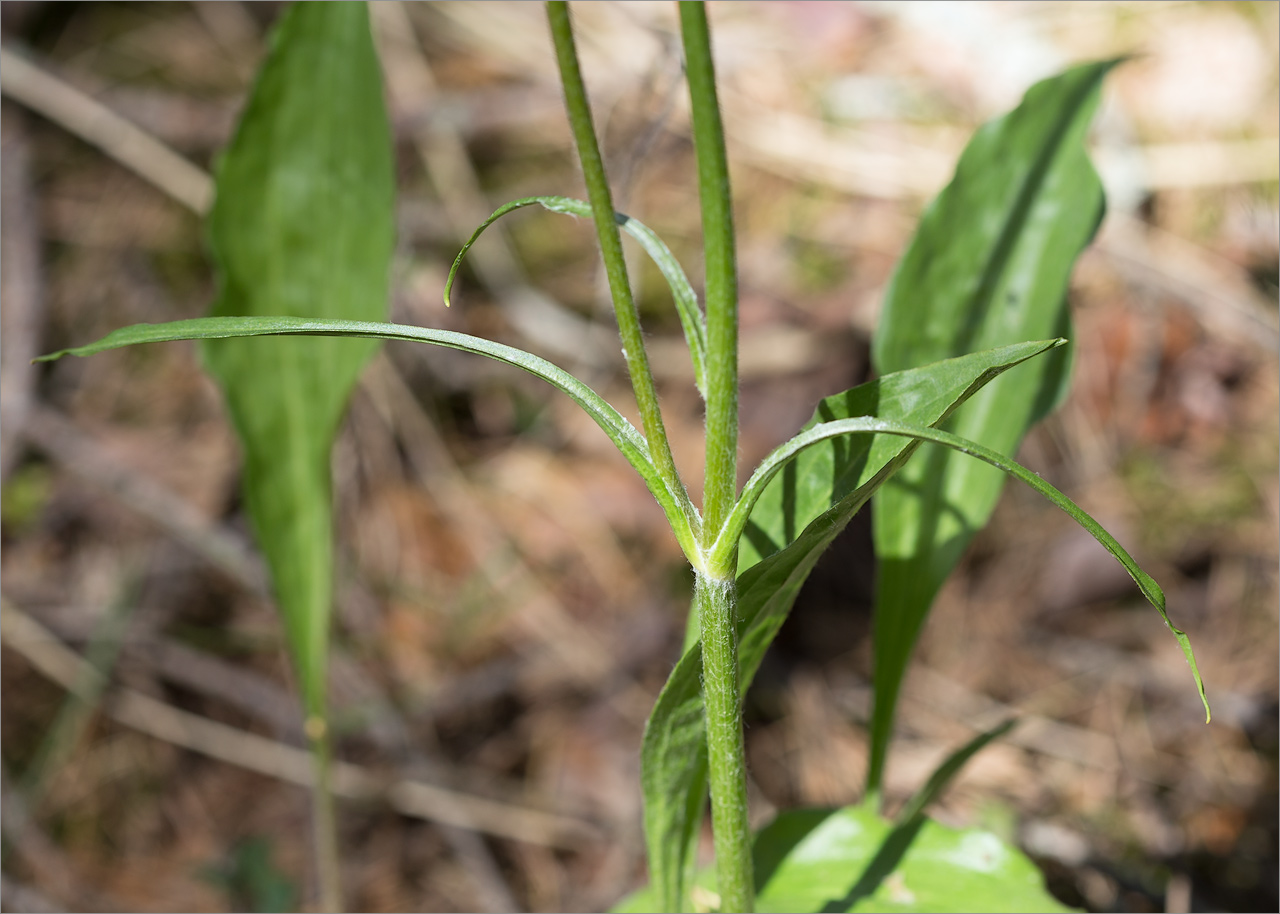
324	817
715	594
716	604
615	265
720	481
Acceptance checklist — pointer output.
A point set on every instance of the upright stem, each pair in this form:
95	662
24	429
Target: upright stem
584	137
716	603
324	817
715	594
720	486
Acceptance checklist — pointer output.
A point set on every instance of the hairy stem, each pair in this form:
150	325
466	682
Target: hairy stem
716	597
720	486
584	137
716	602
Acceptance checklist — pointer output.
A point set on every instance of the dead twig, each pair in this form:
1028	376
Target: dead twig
256	753
80	454
135	149
23	279
1216	291
41	856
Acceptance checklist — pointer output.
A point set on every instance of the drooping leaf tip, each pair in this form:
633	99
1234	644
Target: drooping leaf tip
453	274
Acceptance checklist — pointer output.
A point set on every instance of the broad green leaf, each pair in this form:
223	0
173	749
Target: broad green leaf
621	432
918	865
810	860
691	317
302	225
988	266
796	515
851	859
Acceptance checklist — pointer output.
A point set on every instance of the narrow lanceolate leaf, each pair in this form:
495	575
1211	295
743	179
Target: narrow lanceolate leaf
621	432
691	319
302	225
796	515
949	768
988	266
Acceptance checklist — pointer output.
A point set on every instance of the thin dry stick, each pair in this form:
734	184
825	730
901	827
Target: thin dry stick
860	162
78	708
17	896
23	280
287	763
44	860
544	617
267	702
235	31
1218	292
448	162
80	454
444	155
93	122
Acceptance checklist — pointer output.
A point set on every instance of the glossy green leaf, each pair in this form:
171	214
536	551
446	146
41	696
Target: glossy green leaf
621	432
988	266
918	865
797	513
691	317
852	860
302	224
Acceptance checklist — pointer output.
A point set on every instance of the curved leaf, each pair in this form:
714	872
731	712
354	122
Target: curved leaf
621	432
795	517
844	474
672	740
864	426
691	317
989	265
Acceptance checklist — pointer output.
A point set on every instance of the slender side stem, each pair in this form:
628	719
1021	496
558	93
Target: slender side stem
716	602
721	478
624	307
324	819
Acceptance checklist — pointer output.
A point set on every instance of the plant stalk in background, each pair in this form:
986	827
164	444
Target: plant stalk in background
303	224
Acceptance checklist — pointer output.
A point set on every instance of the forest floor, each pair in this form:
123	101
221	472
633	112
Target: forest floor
510	599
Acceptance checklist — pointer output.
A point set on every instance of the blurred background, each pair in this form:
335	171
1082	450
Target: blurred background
510	600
